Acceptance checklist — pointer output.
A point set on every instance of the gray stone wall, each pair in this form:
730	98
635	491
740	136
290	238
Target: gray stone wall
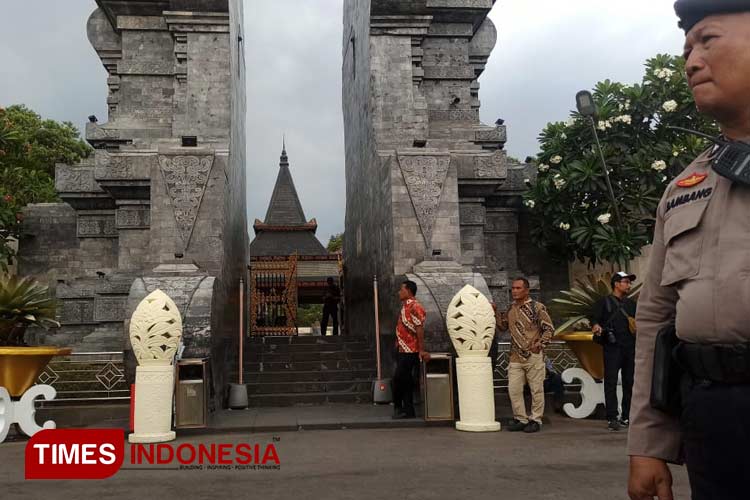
368	243
146	209
394	98
225	299
59	243
450	198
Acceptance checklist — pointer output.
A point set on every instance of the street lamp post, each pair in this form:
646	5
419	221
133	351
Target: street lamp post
587	107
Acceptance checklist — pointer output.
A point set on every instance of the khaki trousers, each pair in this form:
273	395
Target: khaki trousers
532	372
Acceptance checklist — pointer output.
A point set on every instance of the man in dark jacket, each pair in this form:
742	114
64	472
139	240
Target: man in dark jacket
330	307
611	327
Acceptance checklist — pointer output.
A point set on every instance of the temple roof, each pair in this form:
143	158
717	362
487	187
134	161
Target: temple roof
273	243
285	230
285	208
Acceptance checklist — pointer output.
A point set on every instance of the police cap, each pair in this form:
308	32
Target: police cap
691	12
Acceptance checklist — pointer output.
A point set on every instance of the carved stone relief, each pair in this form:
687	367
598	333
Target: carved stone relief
186	178
491	167
425	177
96	226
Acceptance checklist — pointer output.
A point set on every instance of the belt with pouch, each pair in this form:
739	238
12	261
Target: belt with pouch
719	363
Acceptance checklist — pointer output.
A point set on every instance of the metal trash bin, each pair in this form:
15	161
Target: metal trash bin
437	383
191	408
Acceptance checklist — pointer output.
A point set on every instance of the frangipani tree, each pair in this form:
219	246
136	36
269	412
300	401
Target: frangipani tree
572	210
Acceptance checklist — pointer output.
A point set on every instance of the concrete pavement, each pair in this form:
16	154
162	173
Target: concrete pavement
576	460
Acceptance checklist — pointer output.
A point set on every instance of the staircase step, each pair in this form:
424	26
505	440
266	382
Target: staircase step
320	356
308	399
317	347
340	387
296	340
285	371
307	376
340	364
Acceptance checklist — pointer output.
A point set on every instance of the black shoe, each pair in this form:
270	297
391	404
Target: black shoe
624	422
403	416
614	425
532	426
516	426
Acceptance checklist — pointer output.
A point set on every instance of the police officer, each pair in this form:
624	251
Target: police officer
699	277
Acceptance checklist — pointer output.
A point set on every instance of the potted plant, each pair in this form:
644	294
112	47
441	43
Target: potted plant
24	302
575	307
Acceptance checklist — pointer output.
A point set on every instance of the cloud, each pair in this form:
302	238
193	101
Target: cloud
293	58
47	61
547	51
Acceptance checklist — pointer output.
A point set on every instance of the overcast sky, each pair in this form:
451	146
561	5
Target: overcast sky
547	50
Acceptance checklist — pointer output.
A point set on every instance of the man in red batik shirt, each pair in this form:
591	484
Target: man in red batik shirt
410	340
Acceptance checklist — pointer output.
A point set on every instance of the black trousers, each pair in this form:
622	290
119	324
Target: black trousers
403	382
715	427
618	357
332	311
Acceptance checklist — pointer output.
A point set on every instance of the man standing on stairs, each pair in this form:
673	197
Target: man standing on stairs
330	308
410	341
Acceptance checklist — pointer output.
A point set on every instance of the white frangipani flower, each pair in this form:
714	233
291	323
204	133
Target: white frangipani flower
670	106
604	125
543	167
664	73
604	218
558	181
530	203
563	136
565	226
570	122
626	119
556	160
659	165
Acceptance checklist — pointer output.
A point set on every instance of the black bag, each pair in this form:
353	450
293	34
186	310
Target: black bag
608	336
667	374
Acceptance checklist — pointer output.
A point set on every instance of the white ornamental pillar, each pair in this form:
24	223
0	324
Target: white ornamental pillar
155	331
471	326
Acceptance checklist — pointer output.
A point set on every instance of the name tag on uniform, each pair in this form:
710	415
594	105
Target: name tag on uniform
686	198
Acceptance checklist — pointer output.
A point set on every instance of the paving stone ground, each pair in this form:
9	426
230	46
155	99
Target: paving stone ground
576	460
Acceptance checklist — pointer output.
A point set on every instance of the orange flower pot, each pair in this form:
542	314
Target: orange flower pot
21	366
588	352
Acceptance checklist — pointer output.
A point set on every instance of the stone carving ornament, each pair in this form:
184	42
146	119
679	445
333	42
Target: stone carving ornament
490	166
155	329
425	178
471	326
186	178
471	322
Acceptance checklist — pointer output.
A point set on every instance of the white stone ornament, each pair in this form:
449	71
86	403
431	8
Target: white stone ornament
155	329
592	393
471	322
471	325
155	332
24	411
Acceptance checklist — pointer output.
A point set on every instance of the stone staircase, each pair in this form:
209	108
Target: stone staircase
287	371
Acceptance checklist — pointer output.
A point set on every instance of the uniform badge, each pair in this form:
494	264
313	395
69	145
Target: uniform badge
692	180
